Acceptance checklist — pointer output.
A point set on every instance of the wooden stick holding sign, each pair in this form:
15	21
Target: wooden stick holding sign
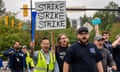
52	42
33	22
96	23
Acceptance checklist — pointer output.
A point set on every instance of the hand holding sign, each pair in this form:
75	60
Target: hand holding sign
96	22
32	45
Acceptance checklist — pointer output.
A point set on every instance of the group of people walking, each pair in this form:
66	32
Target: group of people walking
82	56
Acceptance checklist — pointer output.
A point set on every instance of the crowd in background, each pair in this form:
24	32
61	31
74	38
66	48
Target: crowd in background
82	56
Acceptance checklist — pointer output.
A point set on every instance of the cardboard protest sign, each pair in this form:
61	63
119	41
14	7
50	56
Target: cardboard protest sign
89	26
51	15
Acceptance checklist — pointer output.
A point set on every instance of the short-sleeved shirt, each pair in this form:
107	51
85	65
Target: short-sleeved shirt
108	45
107	59
116	56
83	58
60	53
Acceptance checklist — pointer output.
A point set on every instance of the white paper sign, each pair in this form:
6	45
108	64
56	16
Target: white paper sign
50	15
89	26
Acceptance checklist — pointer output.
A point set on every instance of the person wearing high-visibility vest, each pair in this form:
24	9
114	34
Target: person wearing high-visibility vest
28	59
44	59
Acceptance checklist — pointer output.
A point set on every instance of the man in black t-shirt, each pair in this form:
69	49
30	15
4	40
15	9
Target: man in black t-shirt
83	56
107	43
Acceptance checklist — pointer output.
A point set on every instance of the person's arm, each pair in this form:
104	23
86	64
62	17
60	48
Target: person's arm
110	61
99	61
99	66
115	43
32	46
66	67
7	53
56	67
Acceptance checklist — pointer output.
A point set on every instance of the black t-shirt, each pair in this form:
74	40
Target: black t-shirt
60	53
116	56
83	58
108	45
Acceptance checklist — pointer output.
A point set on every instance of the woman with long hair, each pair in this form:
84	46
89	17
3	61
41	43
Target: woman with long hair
61	48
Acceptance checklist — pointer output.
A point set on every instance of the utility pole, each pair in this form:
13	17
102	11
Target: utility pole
31	10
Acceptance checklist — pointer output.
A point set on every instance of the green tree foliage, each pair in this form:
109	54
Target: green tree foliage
67	22
85	19
2	9
107	17
114	31
9	35
10	16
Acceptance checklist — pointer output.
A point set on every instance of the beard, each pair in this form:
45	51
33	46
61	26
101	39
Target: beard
84	40
100	44
17	47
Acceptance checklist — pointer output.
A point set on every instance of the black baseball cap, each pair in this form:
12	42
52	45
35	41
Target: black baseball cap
83	29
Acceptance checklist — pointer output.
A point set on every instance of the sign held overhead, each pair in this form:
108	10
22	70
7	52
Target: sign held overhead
51	15
89	26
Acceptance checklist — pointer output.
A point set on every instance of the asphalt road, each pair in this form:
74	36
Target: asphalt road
4	69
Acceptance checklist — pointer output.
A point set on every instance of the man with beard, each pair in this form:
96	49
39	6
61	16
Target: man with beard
116	51
83	56
60	49
16	58
107	42
107	60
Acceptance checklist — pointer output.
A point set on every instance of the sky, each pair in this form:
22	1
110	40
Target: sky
15	5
